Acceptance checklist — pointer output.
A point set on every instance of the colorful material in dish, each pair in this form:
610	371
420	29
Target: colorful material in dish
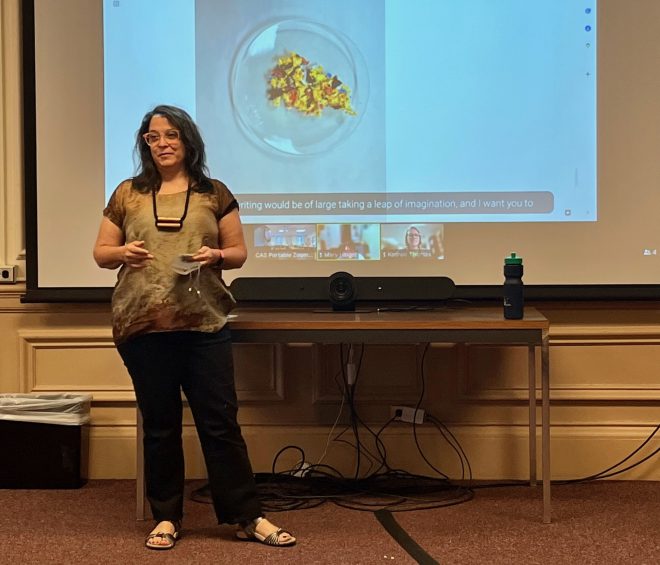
307	88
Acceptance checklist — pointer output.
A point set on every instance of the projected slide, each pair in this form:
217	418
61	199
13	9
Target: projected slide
327	118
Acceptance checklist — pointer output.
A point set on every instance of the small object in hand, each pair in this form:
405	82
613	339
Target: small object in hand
183	266
187	257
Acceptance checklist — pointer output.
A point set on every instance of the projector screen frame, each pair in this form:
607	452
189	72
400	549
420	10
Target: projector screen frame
39	294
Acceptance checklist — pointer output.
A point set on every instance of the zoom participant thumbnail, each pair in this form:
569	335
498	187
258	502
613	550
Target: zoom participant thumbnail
348	242
412	241
284	241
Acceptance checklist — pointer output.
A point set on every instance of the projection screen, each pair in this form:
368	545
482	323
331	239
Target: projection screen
382	138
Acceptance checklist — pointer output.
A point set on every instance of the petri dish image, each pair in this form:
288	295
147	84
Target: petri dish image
280	125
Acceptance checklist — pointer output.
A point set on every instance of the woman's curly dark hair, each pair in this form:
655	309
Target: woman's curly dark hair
148	177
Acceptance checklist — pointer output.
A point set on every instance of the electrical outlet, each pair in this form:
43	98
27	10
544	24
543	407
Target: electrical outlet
8	274
407	414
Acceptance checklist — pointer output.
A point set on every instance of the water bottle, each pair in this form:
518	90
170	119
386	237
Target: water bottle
513	288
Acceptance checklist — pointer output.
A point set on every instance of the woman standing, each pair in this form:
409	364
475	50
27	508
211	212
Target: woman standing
170	230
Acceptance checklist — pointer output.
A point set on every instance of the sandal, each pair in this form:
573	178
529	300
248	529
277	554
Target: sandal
170	537
249	533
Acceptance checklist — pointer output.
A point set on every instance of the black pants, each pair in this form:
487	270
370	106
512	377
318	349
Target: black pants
200	364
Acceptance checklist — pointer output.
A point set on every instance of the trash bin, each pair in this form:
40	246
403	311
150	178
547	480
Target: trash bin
44	440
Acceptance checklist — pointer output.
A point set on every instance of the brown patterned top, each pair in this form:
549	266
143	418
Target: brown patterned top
156	299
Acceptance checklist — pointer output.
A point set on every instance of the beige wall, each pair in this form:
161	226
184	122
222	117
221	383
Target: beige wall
604	371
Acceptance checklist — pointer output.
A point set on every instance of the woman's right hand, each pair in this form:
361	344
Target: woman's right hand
135	255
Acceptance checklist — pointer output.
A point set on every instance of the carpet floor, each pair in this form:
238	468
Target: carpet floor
607	522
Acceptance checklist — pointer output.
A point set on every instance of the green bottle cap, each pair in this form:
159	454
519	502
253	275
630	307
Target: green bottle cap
513	260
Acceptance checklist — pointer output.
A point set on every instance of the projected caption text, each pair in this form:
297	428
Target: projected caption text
541	202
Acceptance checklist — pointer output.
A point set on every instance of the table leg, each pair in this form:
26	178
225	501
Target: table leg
545	431
531	373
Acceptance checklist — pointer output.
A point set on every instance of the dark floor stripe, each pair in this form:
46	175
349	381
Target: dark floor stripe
403	539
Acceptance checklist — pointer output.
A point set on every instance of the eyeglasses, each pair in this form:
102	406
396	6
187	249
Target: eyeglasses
153	138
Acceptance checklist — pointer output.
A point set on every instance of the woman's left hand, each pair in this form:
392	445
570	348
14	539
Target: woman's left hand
207	256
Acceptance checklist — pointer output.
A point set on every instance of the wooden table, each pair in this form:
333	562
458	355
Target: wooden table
401	326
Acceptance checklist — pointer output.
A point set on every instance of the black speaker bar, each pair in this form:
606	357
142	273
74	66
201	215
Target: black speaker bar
318	288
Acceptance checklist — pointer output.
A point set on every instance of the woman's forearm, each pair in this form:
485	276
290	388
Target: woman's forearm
109	256
231	257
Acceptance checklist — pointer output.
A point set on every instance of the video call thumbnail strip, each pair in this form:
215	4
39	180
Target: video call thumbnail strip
347	242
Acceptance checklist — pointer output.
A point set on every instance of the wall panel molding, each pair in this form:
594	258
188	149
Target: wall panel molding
73	360
605	362
386	374
259	373
605	393
494	373
588	363
10	303
562	332
495	452
11	137
86	360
